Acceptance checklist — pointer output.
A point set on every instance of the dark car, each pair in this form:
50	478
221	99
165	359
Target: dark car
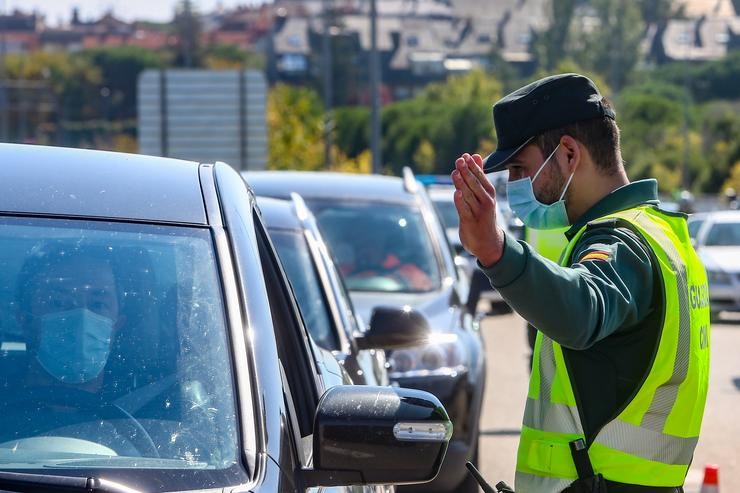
392	250
150	341
323	299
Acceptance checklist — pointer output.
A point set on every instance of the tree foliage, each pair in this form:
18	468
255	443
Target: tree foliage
120	67
454	116
188	27
295	129
550	46
225	56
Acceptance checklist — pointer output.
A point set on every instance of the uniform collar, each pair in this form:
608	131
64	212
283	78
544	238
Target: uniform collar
623	198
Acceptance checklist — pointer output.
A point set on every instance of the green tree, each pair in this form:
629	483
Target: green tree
733	180
720	126
295	128
612	48
227	56
659	11
455	116
550	46
74	81
188	27
352	129
717	79
119	68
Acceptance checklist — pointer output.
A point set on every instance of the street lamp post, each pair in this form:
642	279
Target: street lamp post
374	90
4	102
327	83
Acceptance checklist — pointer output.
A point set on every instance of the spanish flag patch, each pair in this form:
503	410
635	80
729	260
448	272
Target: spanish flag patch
595	256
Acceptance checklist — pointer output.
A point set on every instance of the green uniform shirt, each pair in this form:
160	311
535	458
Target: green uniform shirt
604	309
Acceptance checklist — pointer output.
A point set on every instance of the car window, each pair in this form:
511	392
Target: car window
379	246
448	213
298	263
723	234
694	225
113	349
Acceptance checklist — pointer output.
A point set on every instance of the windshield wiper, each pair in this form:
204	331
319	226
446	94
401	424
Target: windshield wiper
24	482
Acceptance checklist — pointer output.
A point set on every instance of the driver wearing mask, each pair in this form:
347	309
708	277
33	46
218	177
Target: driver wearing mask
69	308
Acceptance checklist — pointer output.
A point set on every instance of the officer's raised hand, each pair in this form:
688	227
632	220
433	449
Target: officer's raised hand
475	200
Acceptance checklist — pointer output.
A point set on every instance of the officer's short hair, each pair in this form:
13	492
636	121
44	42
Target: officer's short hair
599	135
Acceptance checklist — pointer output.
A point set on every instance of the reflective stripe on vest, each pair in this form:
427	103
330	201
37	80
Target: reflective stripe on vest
651	442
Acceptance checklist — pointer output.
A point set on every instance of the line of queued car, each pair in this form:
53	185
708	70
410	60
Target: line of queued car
392	251
716	237
164	329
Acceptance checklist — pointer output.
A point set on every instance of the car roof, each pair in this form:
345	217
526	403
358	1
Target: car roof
437	192
723	217
48	180
279	213
327	184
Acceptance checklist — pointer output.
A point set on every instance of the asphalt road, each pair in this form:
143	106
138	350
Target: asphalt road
506	389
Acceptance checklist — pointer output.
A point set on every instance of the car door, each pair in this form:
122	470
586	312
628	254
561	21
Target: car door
307	371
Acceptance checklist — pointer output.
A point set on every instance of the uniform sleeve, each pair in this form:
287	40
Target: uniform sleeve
608	286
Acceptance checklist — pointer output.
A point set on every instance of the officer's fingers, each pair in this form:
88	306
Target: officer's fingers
474	183
478	160
457	180
482	178
463	209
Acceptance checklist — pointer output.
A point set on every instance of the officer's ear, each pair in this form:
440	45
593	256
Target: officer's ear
571	154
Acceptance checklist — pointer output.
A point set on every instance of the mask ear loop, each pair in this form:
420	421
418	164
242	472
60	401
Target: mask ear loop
567	184
543	164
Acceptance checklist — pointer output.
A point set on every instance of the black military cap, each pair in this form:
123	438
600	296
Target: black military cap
545	104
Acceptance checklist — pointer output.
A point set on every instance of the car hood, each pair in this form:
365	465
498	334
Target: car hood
726	258
435	306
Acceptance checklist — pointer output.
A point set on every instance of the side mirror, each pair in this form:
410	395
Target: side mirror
377	435
394	328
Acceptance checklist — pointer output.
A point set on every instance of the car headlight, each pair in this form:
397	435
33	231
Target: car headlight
718	277
445	354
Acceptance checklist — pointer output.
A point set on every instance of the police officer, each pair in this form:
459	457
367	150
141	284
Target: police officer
620	373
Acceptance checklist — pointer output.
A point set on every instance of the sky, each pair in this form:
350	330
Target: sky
58	11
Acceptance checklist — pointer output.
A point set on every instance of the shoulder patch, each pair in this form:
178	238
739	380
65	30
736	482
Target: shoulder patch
595	255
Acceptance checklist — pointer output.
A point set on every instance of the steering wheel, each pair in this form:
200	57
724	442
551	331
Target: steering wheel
38	398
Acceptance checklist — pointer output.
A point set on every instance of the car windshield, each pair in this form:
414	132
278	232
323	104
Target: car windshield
723	234
296	257
379	246
113	349
448	213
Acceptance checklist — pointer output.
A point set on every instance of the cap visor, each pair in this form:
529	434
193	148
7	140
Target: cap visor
498	159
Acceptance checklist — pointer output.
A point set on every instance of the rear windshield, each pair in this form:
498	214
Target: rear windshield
723	234
379	246
113	351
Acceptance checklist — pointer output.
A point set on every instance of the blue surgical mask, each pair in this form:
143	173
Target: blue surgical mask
531	211
74	345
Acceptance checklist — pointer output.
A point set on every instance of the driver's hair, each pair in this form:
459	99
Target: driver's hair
44	257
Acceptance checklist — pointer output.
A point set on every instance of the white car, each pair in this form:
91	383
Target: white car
717	241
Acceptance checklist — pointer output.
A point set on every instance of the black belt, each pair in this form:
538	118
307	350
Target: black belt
588	482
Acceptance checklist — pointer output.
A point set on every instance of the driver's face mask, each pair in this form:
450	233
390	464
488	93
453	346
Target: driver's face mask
74	345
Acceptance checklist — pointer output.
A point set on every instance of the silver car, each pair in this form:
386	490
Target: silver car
717	241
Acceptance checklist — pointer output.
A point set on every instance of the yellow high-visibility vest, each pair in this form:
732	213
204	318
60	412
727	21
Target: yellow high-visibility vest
651	442
549	243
